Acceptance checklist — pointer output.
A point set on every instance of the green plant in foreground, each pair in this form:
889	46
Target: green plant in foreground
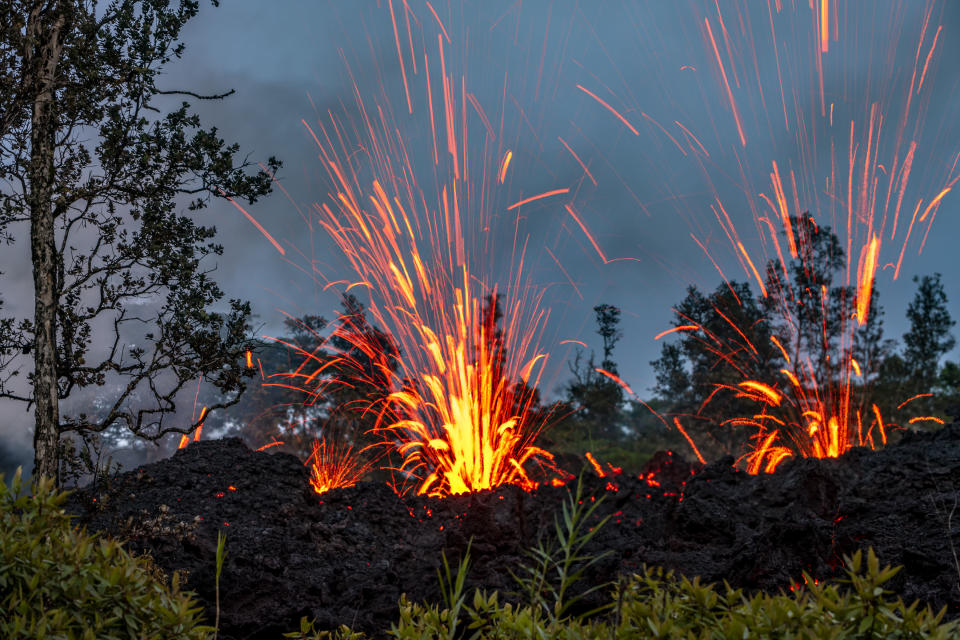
221	554
657	604
308	631
451	586
559	563
59	582
416	619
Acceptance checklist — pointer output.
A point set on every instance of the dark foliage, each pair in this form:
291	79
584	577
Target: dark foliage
595	398
732	344
730	336
314	382
96	176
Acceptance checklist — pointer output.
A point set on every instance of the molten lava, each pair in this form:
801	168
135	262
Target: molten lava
825	147
455	414
462	409
335	465
185	439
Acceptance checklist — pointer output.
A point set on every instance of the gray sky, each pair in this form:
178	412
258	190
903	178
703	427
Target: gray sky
649	197
650	61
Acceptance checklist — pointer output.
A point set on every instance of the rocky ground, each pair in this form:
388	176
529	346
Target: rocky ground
346	556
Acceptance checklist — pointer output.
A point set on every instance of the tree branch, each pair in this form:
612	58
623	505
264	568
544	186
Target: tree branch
218	96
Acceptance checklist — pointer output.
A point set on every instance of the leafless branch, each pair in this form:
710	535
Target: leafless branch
217	96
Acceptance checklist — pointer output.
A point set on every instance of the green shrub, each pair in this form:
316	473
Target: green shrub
59	582
558	563
656	604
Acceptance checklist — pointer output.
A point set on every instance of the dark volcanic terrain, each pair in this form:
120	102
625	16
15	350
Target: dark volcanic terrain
346	556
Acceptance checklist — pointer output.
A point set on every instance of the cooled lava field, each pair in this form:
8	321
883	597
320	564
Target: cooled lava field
346	556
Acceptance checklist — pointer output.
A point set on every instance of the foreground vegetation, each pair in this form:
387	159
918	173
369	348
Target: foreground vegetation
656	604
59	582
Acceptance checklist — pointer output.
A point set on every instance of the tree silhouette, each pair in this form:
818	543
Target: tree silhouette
321	379
926	342
94	174
929	338
797	340
596	398
731	343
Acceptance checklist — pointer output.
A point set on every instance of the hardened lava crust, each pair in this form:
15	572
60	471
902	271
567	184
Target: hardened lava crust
346	556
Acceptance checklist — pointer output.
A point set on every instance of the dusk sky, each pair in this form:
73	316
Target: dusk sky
666	147
641	58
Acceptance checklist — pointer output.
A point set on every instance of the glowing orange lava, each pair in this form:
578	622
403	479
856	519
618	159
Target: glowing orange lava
335	465
598	468
774	187
819	406
185	439
462	393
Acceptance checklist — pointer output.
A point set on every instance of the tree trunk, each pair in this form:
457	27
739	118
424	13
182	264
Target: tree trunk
41	56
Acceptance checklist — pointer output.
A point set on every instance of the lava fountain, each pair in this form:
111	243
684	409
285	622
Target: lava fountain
856	169
462	408
334	464
796	147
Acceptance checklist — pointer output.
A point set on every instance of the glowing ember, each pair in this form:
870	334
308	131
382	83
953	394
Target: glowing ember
335	465
185	440
599	470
